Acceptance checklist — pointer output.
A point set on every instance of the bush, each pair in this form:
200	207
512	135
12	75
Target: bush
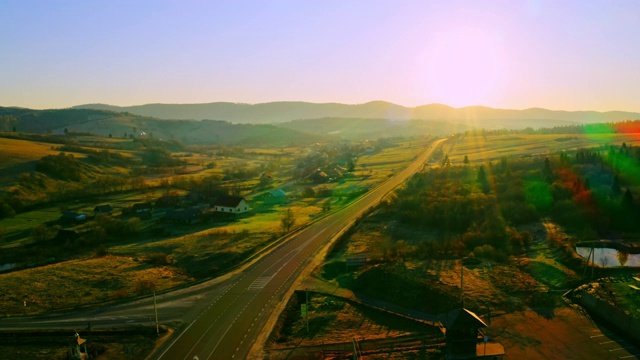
488	252
323	191
101	251
145	287
62	166
159	259
42	233
120	294
308	192
115	228
6	210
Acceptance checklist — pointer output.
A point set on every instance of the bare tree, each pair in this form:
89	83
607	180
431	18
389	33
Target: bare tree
288	220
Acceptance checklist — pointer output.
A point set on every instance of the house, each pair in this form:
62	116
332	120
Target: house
193	198
266	179
276	196
102	209
183	216
141	207
168	201
231	204
465	340
72	217
337	172
319	176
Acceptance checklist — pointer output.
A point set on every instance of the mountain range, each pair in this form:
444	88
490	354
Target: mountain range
282	123
278	112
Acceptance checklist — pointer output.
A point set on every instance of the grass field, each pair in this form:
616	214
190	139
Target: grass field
17	228
79	282
493	147
20	156
16	151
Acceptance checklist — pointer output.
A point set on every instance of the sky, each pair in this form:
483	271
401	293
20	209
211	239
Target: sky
563	55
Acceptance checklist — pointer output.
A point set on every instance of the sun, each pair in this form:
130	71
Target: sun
464	67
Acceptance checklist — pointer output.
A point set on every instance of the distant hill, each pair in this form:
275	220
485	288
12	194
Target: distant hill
119	124
277	112
356	129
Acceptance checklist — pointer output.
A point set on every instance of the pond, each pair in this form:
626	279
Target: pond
608	257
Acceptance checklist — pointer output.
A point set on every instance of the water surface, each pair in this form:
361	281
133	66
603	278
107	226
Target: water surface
608	257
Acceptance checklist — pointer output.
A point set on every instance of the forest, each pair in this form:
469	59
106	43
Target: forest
590	191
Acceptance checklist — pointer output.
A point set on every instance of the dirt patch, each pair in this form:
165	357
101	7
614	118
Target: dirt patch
565	335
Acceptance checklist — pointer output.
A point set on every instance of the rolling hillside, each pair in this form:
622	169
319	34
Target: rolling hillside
119	124
276	112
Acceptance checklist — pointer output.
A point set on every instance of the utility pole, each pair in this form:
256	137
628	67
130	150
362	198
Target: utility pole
355	349
155	309
593	259
462	282
307	314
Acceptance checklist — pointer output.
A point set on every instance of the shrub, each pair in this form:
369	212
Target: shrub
144	287
488	252
159	259
62	166
101	251
308	192
42	233
120	294
6	210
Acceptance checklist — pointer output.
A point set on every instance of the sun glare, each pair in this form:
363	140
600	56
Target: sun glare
464	67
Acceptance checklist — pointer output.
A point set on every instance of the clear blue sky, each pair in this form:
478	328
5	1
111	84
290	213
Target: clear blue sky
572	55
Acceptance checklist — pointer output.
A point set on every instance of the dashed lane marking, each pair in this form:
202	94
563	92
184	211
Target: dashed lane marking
260	282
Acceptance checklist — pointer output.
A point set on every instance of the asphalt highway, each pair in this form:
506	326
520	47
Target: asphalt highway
231	322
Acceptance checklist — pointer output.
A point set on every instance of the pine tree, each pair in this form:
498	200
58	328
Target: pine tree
548	174
616	190
503	164
627	200
446	162
483	181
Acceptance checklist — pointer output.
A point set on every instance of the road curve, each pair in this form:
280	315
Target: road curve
230	323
